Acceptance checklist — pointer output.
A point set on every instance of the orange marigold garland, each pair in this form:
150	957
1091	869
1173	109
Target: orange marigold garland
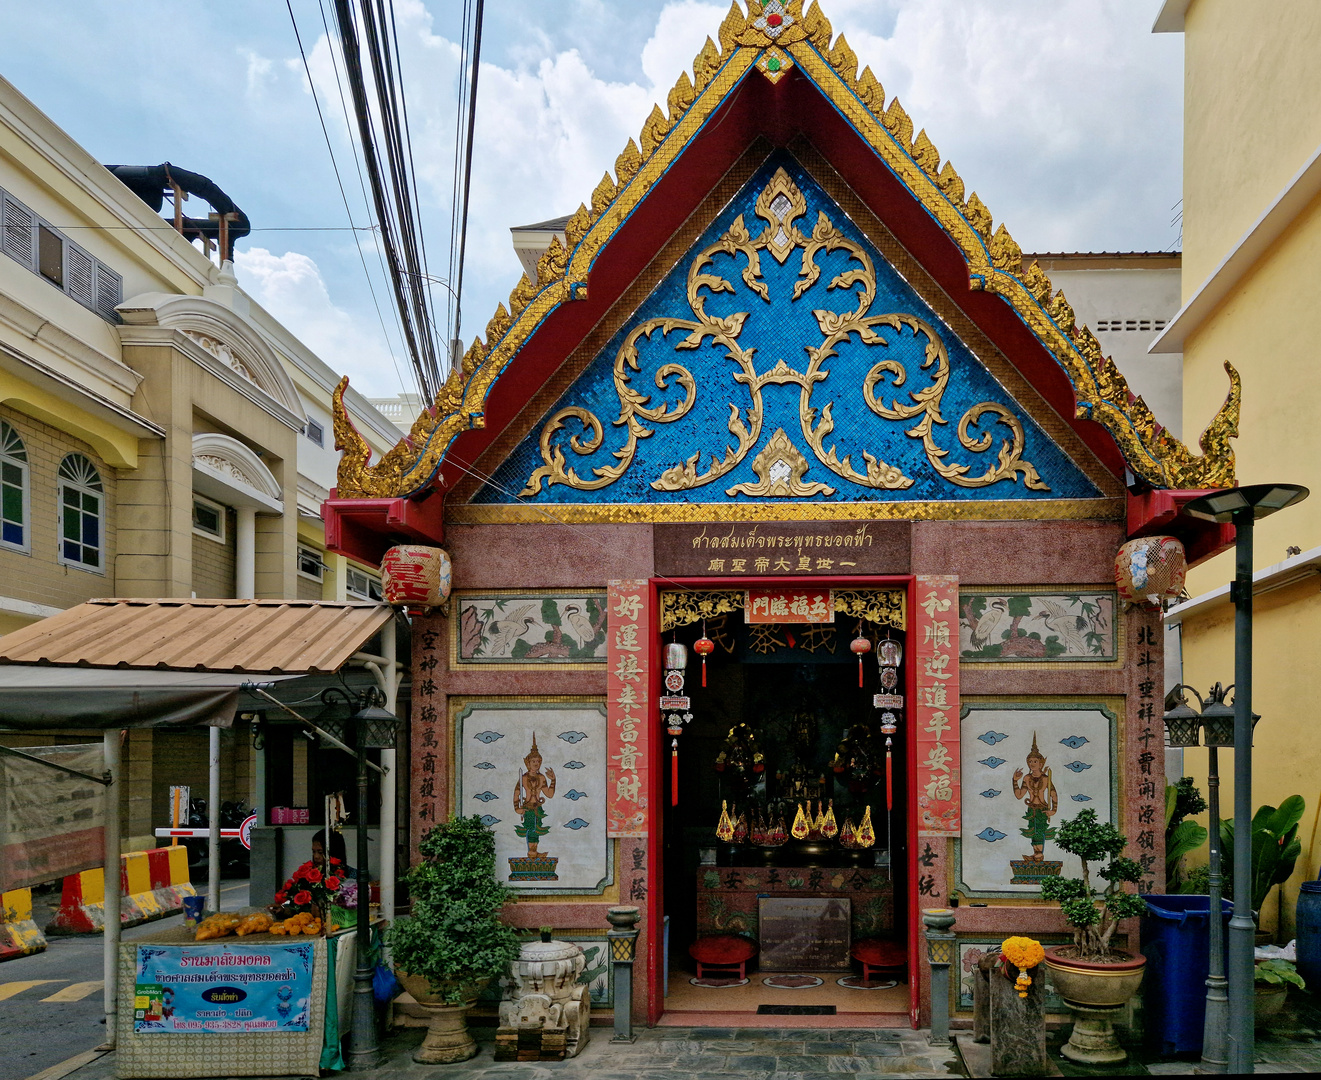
1022	953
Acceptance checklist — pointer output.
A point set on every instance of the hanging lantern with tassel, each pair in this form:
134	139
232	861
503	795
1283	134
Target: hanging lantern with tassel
704	647
861	646
674	708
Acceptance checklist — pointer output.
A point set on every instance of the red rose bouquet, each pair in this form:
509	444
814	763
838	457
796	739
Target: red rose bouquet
309	885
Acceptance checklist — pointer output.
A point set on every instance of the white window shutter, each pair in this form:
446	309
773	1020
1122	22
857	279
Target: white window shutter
18	229
109	292
81	270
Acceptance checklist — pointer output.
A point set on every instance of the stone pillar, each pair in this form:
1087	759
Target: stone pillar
1018	1025
245	553
940	952
623	938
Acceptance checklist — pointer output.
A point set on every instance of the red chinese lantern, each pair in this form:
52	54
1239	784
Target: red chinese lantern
416	576
703	647
861	645
1150	570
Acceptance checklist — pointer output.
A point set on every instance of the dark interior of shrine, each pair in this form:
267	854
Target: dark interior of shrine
783	724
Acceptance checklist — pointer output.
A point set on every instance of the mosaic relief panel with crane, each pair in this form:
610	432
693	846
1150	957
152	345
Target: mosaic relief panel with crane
530	629
784	359
1006	626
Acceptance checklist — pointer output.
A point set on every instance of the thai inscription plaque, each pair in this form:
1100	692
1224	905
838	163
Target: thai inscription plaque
809	548
808	934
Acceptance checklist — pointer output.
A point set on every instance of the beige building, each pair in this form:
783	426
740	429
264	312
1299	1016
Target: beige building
160	433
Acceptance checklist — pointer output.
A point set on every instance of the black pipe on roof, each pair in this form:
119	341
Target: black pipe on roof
151	183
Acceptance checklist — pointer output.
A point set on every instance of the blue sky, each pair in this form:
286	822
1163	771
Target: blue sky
1064	115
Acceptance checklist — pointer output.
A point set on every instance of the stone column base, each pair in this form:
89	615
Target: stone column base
448	1039
1093	1041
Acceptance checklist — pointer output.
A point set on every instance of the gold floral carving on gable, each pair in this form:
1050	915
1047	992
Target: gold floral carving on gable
781	205
993	259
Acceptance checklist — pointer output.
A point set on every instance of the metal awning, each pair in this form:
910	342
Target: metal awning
295	637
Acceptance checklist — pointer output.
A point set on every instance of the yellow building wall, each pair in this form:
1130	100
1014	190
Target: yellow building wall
1252	118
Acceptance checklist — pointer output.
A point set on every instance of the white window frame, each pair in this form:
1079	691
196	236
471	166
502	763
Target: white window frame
304	549
63	484
22	465
355	593
221	510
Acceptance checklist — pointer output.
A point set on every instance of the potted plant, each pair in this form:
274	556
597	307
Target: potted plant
453	943
1272	979
1091	975
1275	848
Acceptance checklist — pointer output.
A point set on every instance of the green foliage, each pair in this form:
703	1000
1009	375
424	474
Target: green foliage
1020	605
454	936
1275	847
1182	800
1275	972
1197	882
1094	914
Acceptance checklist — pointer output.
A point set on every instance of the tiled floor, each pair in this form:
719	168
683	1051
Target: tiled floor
1289	1044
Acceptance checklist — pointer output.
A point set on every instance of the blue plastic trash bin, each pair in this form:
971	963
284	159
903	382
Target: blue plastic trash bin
1175	941
1308	916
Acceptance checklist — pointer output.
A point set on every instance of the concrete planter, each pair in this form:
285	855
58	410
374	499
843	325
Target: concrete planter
1269	1001
1097	994
448	1040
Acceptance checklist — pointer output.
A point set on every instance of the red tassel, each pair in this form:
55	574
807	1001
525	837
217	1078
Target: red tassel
859	672
674	773
889	782
704	672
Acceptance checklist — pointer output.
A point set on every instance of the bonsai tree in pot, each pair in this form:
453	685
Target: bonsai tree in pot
1091	975
453	943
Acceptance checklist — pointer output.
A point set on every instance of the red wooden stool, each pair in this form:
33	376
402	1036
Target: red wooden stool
722	951
877	955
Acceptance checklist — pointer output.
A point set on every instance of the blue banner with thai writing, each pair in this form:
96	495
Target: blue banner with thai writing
229	989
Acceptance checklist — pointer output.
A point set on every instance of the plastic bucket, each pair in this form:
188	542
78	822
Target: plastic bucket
1175	940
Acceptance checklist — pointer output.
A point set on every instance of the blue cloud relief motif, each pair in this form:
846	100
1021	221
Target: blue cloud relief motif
1077	766
574	765
574	796
483	765
991	835
990	738
1075	741
1081	798
488	737
577	823
486	796
488	820
992	762
573	736
989	793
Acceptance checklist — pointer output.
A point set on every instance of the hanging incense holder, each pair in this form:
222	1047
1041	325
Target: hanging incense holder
674	707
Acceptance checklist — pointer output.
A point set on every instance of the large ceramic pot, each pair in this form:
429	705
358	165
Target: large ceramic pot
1097	994
448	1040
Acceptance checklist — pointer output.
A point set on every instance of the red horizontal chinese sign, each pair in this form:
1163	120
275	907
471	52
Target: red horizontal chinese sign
789	606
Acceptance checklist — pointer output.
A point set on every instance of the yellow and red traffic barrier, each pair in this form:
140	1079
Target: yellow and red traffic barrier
19	935
152	885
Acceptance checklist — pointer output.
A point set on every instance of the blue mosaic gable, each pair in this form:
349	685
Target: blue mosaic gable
689	413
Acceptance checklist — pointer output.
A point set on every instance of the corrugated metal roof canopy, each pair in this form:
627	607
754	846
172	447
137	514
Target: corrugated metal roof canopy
258	636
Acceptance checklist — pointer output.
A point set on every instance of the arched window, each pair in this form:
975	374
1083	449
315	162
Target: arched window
13	489
82	510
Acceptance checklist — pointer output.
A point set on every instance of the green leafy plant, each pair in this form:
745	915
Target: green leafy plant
1277	972
1181	835
454	937
1275	847
1095	913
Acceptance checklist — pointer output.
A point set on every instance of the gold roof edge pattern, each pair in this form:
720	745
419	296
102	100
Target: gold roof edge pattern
994	262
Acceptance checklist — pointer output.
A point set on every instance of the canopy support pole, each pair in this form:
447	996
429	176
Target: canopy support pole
213	819
110	742
390	781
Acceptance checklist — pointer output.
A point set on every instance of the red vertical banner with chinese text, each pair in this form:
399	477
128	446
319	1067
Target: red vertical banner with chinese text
627	691
935	715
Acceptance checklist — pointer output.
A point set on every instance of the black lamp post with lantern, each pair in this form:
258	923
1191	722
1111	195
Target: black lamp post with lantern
1241	507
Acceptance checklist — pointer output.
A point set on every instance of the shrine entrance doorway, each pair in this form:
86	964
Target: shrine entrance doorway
781	835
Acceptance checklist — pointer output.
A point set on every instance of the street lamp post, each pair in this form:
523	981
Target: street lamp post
1242	507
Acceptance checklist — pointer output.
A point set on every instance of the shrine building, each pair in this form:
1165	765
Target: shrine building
783	506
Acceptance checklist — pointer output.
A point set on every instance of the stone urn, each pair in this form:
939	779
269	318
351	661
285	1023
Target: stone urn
1097	994
1268	1001
547	993
448	1039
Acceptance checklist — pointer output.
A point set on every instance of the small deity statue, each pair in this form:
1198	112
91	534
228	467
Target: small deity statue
531	791
1042	801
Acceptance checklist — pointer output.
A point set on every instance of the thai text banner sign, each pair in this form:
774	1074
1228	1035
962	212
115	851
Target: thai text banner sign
50	821
223	988
789	606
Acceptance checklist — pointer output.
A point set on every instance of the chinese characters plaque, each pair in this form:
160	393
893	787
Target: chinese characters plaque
789	606
936	711
627	687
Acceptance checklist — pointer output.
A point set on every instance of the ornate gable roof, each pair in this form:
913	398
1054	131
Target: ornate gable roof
681	152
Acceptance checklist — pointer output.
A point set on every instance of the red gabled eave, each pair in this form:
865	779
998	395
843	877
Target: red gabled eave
778	112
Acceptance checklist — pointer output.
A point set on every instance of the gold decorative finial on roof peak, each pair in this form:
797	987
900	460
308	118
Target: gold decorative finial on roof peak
803	38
